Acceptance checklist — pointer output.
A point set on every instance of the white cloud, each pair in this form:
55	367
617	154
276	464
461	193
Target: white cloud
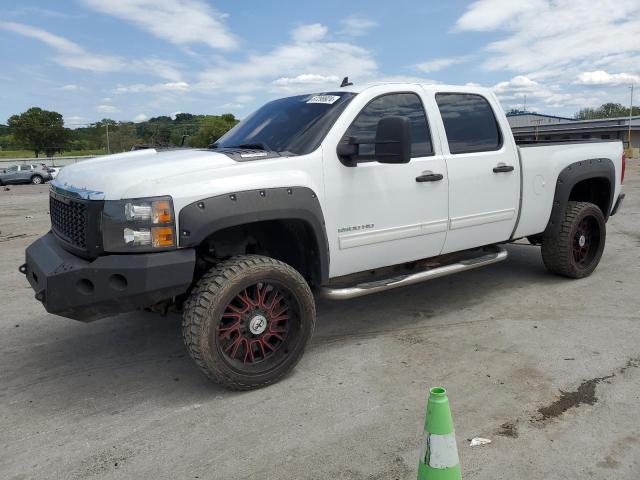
30	11
70	54
75	121
309	33
524	89
356	26
306	79
155	88
556	37
160	68
69	88
180	22
491	14
106	108
141	117
309	61
404	79
563	48
518	83
600	77
439	63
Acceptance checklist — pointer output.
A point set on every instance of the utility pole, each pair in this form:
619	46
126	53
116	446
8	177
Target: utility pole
108	146
630	114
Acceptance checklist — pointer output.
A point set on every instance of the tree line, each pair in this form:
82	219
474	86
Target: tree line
43	132
606	110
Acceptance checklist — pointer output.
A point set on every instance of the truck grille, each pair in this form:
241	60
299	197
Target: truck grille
69	220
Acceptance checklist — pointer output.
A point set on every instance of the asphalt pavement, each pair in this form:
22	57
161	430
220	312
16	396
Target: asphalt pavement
545	367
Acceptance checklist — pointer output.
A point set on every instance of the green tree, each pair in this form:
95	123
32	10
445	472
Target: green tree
123	137
40	130
184	117
211	129
606	110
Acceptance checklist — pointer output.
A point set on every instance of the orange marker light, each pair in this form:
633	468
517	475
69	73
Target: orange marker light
162	237
162	211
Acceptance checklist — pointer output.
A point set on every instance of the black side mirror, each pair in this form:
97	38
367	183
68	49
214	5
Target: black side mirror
393	140
392	143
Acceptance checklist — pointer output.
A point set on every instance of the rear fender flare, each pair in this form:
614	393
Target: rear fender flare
572	175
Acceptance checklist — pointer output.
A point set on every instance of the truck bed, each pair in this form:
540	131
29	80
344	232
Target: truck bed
542	163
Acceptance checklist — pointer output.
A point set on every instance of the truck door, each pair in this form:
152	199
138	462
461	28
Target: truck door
484	171
384	214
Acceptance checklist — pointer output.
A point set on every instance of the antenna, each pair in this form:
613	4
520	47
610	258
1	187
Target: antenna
345	82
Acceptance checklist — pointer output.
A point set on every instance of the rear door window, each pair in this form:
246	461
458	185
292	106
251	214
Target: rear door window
395	104
469	123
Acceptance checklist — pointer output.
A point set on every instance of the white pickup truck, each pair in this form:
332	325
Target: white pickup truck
341	193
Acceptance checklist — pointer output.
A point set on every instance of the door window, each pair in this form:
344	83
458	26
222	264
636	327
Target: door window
469	123
396	104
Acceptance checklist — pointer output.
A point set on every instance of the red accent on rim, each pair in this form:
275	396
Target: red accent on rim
580	252
234	335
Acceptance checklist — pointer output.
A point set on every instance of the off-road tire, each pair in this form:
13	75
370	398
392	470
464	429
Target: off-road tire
204	309
558	249
37	180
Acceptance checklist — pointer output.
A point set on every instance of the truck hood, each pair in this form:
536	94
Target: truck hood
111	176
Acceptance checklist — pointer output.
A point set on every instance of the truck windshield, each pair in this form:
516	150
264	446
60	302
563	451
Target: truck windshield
294	125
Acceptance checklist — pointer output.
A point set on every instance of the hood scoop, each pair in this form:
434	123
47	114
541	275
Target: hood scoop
246	154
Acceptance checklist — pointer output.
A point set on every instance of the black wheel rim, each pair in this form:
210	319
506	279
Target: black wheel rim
259	327
586	241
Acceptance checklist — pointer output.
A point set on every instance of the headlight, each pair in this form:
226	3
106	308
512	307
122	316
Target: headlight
140	224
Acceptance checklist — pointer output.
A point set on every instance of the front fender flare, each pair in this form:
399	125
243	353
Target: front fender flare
202	218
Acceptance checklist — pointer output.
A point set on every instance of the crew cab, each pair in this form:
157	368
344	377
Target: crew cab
338	194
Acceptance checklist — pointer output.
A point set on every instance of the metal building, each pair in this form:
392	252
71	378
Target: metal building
537	127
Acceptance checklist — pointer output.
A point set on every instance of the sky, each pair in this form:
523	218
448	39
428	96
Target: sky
136	59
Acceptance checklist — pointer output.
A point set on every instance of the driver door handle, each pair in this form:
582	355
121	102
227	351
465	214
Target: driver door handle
429	176
501	167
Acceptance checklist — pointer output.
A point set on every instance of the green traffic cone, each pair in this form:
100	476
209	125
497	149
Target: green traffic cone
439	454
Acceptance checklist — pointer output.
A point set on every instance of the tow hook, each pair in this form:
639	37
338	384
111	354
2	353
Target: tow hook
23	269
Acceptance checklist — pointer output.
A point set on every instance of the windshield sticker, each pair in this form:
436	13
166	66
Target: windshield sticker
253	155
327	99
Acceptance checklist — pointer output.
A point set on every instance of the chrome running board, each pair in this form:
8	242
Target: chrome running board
497	254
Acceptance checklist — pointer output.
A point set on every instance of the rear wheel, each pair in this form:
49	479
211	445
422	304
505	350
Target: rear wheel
37	180
248	320
576	249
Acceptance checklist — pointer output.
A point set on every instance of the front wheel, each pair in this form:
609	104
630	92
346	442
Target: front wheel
248	320
37	180
575	250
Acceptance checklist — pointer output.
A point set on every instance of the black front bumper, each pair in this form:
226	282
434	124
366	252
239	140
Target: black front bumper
86	290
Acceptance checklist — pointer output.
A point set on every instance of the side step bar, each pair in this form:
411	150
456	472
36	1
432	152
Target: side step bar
497	255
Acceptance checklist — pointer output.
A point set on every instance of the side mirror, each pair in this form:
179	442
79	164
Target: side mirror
393	140
392	143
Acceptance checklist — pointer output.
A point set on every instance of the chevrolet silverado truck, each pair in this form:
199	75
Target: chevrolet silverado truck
336	194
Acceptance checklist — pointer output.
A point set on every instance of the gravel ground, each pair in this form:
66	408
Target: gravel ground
545	367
